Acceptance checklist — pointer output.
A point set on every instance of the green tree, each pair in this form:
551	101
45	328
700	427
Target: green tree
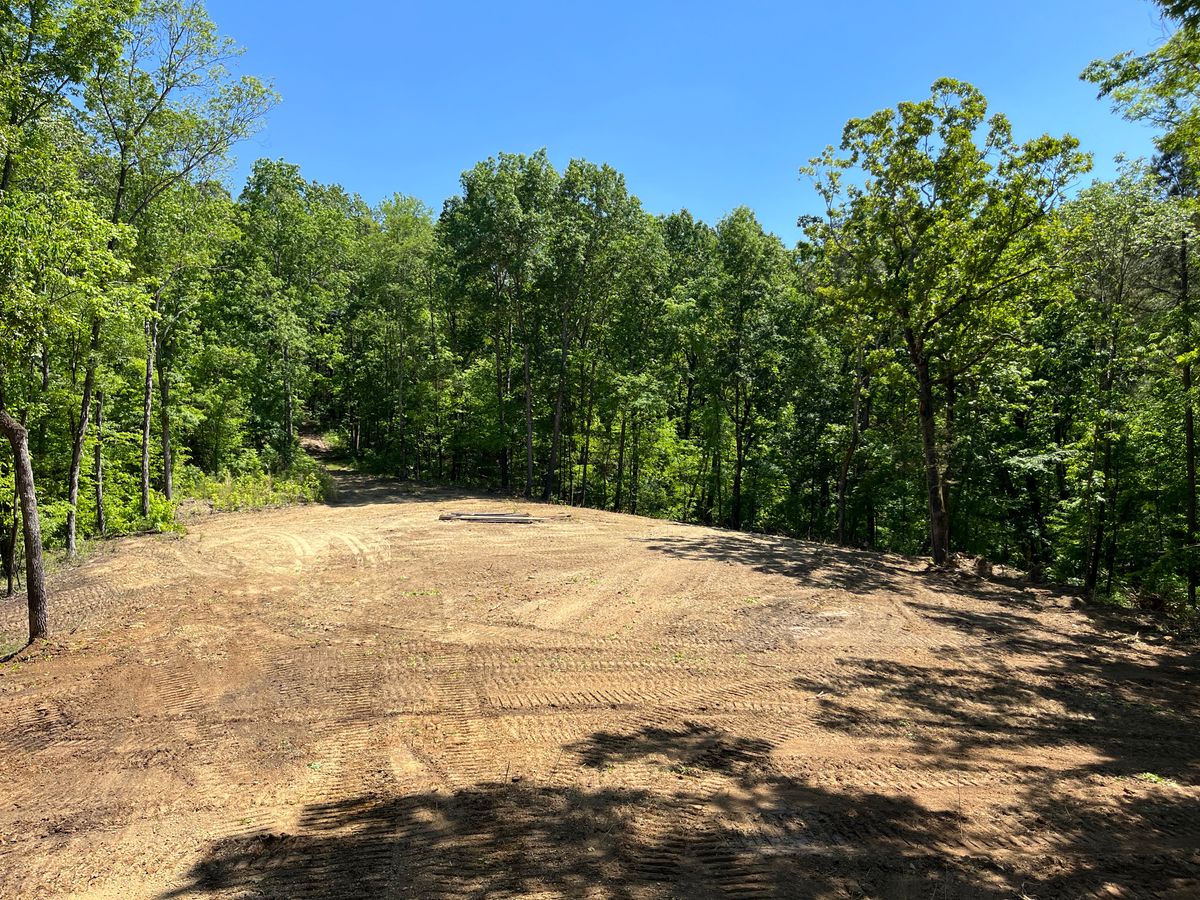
940	219
1160	87
55	253
47	48
497	231
166	110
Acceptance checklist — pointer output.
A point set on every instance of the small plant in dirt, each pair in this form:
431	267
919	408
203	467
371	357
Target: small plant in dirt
1154	778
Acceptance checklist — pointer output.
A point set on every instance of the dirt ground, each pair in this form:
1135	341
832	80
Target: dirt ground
360	700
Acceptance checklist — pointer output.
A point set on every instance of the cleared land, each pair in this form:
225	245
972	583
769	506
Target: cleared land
361	700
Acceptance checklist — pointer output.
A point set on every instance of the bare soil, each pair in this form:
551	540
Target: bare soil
360	700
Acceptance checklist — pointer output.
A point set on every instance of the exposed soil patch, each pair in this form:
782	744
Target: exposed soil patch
361	700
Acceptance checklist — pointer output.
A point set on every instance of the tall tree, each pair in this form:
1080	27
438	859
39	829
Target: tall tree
497	228
54	252
167	109
940	218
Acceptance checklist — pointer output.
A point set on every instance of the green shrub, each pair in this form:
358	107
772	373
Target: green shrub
304	482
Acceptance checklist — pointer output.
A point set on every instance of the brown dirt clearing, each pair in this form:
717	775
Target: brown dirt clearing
358	699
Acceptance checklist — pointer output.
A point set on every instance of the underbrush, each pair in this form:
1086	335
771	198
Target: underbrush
304	482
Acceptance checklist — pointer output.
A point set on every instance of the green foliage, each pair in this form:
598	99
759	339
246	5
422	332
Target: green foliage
254	488
1160	87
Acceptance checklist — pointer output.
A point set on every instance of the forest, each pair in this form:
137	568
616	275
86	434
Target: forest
977	351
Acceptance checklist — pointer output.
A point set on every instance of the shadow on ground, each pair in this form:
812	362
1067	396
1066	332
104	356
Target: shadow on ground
810	564
723	826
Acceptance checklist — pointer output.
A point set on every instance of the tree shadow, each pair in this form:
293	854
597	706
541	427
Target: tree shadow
810	564
732	828
691	747
506	840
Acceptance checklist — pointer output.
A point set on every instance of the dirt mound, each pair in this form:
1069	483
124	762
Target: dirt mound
362	700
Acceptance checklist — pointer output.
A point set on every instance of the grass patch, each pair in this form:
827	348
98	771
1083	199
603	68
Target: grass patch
1153	778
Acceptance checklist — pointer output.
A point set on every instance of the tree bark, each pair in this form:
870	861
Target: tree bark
620	465
549	484
288	424
500	396
634	466
939	525
147	408
587	434
35	572
1099	530
739	462
101	521
848	459
8	538
1189	424
528	427
164	415
89	384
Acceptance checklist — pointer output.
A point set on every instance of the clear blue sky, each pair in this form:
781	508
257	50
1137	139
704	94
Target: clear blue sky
703	105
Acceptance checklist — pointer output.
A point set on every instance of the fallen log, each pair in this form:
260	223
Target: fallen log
497	518
494	518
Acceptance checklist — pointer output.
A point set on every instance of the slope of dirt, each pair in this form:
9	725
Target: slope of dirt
360	700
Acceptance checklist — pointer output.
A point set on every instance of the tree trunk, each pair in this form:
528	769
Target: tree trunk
500	395
401	412
288	423
89	384
939	525
164	416
101	522
620	465
1189	425
147	408
35	572
1099	530
735	510
587	434
8	538
847	459
948	475
528	427
635	466
549	484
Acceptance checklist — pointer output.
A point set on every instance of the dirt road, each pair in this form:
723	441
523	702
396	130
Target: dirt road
360	700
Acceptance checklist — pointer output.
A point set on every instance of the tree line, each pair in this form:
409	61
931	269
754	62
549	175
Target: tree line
965	353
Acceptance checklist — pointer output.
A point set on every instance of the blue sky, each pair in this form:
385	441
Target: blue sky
702	105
